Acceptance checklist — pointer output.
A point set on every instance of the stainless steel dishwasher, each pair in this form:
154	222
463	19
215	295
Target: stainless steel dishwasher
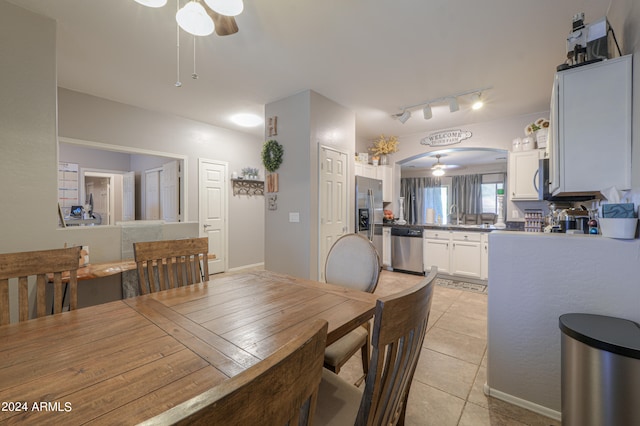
406	249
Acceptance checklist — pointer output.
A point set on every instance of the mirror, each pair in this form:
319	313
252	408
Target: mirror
113	185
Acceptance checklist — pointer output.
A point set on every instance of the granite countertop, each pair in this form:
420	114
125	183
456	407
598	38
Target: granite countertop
510	226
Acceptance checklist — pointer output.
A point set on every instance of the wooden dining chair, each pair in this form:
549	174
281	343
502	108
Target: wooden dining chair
400	324
42	264
280	390
169	264
352	262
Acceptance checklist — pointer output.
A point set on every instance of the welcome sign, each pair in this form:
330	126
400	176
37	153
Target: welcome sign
446	137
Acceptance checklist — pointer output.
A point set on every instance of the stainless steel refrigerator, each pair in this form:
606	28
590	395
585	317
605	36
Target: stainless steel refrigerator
369	211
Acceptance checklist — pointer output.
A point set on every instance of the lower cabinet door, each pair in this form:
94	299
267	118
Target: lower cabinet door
436	252
465	259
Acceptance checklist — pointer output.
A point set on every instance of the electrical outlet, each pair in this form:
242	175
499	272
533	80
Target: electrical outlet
294	217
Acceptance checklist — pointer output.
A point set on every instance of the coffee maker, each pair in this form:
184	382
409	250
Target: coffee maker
588	43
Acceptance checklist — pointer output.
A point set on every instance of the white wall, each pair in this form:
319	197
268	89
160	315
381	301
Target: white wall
497	134
305	120
29	115
124	125
535	278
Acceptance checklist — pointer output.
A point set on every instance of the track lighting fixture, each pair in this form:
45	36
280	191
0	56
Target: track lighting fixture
453	104
476	101
476	98
406	114
426	111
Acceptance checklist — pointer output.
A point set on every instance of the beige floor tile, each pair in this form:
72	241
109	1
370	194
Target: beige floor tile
428	406
474	415
463	325
445	372
476	311
461	346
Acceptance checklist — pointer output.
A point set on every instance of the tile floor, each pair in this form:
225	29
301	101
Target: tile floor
451	372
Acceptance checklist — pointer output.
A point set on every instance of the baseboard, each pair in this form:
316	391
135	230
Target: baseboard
523	403
240	268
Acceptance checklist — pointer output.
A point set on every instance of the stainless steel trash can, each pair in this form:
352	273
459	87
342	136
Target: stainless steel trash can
600	371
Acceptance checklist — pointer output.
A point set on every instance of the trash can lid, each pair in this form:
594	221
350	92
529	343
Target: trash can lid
616	335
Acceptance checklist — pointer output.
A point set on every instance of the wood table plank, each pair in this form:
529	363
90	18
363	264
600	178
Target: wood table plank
126	361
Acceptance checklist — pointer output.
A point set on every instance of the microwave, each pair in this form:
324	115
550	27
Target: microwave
543	187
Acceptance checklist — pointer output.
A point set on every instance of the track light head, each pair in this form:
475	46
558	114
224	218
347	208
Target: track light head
453	104
476	101
406	114
426	111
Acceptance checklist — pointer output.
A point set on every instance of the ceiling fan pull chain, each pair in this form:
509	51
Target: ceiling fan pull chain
195	74
178	82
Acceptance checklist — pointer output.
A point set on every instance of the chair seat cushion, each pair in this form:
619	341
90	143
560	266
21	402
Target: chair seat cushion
338	401
345	347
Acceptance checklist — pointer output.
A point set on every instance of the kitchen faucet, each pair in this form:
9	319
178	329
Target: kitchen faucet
455	207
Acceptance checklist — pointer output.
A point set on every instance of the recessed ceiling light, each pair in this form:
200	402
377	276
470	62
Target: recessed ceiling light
247	120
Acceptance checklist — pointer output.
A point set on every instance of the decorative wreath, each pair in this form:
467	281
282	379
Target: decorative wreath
272	153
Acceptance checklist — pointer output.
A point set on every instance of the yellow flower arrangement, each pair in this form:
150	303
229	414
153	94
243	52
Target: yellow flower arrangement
384	145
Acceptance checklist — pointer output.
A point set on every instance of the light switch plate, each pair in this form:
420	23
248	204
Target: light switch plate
294	217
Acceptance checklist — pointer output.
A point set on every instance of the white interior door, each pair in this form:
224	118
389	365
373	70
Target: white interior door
152	194
333	201
213	211
128	196
170	192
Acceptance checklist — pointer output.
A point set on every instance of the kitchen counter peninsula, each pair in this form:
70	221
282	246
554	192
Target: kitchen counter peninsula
454	227
535	278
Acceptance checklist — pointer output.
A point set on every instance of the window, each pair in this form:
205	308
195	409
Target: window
490	185
437	198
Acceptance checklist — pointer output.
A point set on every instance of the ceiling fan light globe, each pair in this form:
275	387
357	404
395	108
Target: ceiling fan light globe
194	19
438	172
152	3
226	7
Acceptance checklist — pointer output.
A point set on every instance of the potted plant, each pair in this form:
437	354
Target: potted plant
384	146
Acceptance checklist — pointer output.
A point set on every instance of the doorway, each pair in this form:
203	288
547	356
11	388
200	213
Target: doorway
213	210
333	201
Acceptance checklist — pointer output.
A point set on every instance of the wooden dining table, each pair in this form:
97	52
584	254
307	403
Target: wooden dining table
126	361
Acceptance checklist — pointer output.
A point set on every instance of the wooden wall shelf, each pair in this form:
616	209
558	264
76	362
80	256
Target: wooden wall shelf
247	187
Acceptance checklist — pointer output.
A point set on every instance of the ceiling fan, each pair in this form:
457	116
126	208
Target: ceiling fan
225	24
438	168
202	17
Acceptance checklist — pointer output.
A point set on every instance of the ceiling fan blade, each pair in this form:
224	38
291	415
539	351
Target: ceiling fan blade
225	25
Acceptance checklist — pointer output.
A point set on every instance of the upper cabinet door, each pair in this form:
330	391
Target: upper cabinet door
594	126
523	175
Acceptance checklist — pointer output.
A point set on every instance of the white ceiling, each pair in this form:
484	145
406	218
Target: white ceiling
372	56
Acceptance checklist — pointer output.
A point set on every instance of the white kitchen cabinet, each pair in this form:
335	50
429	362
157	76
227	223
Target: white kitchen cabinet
386	246
454	252
385	174
484	256
591	125
465	254
436	250
523	175
366	170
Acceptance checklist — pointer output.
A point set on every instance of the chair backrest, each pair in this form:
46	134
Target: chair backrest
279	390
353	262
168	264
399	328
42	264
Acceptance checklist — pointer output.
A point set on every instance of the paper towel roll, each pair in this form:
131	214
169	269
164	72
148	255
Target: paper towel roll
431	216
